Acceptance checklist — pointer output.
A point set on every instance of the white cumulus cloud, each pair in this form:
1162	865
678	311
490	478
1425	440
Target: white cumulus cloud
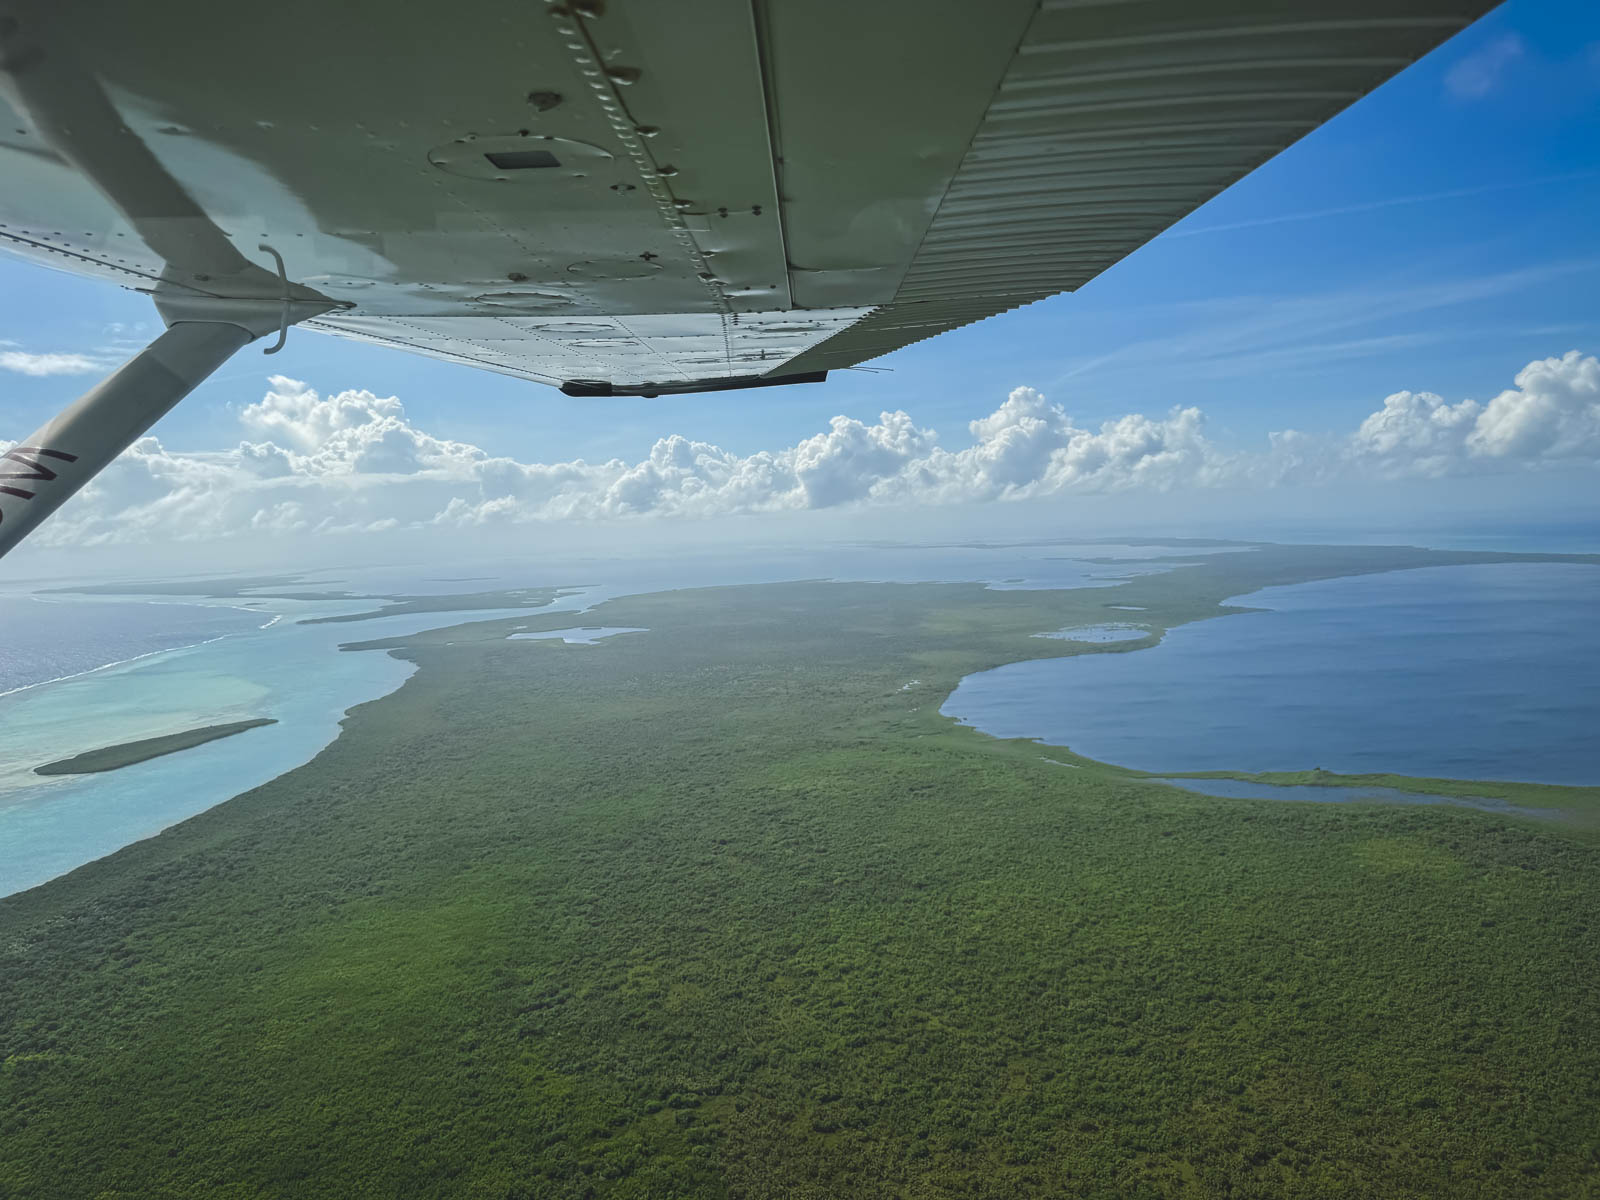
1552	414
353	462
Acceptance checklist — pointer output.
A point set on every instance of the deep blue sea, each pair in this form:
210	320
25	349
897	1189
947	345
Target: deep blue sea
1473	672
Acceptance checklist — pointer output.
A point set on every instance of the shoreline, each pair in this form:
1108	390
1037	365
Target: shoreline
1158	616
397	605
1004	708
137	598
122	662
54	825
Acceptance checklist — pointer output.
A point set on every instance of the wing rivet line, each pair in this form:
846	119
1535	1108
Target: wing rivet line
587	58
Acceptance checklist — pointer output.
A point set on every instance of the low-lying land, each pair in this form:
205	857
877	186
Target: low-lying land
395	606
724	909
281	587
110	758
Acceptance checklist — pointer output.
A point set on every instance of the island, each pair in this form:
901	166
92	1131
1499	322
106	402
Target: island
110	758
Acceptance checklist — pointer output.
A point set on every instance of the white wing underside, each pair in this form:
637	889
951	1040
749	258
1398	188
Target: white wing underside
649	196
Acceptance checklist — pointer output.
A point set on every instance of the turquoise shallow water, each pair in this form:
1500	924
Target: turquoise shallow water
1471	672
294	673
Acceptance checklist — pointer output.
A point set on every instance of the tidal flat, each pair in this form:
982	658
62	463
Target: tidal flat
722	909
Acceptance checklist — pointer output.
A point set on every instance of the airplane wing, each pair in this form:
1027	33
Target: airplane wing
643	196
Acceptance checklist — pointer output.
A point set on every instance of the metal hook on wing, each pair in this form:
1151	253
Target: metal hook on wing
283	320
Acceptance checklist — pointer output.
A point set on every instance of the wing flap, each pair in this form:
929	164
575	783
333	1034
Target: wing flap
665	351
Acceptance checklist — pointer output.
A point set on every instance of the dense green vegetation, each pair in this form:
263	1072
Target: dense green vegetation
109	758
725	909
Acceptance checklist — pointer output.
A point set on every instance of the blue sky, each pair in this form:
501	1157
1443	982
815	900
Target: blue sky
1437	237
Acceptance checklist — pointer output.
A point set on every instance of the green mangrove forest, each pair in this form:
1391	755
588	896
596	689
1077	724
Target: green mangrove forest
726	910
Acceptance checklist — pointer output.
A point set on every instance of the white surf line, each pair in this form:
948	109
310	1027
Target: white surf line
121	662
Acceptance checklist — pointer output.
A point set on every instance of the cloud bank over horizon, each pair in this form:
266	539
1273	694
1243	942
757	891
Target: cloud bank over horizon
353	462
24	362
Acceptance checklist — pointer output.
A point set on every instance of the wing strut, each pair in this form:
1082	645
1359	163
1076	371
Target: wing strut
38	475
212	299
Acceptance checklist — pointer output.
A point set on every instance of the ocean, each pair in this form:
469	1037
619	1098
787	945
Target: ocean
47	638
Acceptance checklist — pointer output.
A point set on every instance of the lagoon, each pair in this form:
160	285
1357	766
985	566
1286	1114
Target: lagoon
1461	672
